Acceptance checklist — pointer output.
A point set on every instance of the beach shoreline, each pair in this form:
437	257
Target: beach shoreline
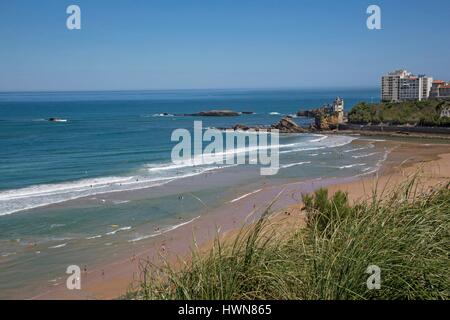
404	158
444	137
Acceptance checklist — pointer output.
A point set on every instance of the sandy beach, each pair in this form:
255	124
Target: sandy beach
404	159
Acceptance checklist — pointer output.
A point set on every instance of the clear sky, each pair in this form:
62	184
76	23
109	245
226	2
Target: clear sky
170	44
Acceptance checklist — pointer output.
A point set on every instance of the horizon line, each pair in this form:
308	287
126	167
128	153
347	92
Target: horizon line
192	89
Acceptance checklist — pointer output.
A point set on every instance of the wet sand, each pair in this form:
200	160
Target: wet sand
405	158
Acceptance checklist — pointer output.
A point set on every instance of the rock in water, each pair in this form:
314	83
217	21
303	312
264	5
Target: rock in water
217	113
287	125
240	127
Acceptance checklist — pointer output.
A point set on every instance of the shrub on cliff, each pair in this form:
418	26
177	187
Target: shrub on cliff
425	113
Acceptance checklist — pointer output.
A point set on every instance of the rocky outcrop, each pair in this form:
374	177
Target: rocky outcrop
243	127
323	122
327	121
240	127
310	113
287	125
215	113
212	113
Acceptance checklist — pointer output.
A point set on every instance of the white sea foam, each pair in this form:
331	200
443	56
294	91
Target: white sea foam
374	140
245	196
7	254
118	230
163	230
367	171
274	113
60	238
162	115
385	156
57	225
371	170
295	164
145	237
32	197
93	237
117	202
365	155
320	144
47	189
352	166
321	137
151	175
355	149
58	246
303	149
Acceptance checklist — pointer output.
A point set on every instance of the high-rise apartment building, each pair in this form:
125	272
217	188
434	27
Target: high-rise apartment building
401	85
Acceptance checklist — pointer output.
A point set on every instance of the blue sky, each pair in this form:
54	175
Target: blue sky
170	44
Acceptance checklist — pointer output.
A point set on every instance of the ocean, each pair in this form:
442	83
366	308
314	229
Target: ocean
82	190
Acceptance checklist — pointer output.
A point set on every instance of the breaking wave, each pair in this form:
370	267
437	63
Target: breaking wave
162	231
294	164
147	176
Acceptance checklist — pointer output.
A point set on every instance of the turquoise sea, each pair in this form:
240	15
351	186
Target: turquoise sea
54	175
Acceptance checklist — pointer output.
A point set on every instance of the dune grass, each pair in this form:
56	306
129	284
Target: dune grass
405	234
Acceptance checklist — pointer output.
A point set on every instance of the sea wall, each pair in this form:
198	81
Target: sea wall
406	129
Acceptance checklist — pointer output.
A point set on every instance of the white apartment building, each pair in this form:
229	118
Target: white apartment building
401	85
415	88
440	89
390	85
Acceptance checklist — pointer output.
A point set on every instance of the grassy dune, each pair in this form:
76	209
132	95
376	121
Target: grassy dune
405	234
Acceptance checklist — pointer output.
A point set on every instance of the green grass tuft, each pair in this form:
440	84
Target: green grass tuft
406	235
